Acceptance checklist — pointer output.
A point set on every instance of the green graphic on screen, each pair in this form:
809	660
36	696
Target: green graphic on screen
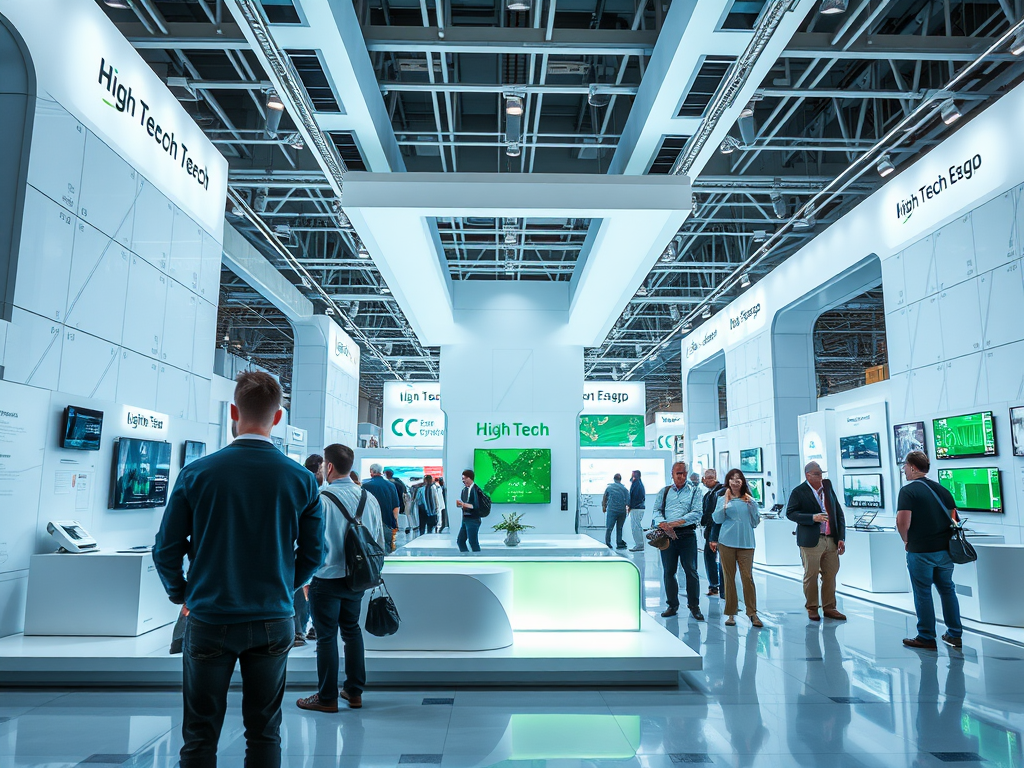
975	488
750	460
969	435
756	486
612	430
514	475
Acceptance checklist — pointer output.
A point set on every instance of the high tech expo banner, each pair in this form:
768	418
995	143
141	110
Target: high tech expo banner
412	415
613	414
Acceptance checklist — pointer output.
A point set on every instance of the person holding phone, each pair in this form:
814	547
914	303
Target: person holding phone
738	515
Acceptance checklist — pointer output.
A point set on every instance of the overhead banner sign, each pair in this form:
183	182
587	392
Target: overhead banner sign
412	415
613	414
615	397
342	351
84	63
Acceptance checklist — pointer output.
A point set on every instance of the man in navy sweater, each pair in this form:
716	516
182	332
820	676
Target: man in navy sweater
249	520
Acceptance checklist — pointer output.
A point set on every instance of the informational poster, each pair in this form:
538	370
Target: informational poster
23	417
412	415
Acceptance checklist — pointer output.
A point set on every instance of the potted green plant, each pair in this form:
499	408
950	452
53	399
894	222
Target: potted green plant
511	523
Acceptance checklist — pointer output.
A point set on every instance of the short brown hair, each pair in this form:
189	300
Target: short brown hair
919	460
257	396
313	462
340	456
469	473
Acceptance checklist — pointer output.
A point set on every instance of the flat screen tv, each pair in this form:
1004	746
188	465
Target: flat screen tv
750	460
863	491
141	474
82	428
908	437
514	475
860	451
1017	429
958	437
192	450
407	470
756	486
612	430
974	488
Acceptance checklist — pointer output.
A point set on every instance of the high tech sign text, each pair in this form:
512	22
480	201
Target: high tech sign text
496	430
124	101
956	174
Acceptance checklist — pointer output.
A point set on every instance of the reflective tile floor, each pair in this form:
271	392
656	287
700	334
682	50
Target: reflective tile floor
792	694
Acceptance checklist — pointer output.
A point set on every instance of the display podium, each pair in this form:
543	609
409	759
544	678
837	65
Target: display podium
875	561
987	590
96	594
775	544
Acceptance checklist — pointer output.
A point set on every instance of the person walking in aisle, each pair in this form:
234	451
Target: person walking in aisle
714	491
469	504
678	511
335	605
384	492
737	514
249	520
821	536
615	505
404	498
429	504
637	500
444	503
926	512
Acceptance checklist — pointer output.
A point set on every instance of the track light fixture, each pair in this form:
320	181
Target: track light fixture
518	5
639	350
885	166
513	104
510	238
361	250
744	280
384	289
329	311
670	253
1017	46
119	4
748	110
760	236
673	313
728	145
687	326
778	205
832	7
275	110
259	203
807	221
295	141
274	101
706	313
596	99
949	111
512	149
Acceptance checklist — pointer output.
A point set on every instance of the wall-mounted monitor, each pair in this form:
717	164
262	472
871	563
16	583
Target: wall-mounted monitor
756	486
863	491
405	469
958	437
906	438
1017	429
974	488
514	475
192	450
750	460
860	451
81	429
595	474
612	430
141	474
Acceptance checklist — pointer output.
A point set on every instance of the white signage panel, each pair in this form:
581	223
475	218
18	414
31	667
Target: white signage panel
342	351
669	423
621	397
87	65
143	423
596	474
813	429
412	415
22	440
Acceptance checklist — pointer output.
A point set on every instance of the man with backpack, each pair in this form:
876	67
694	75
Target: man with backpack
353	557
475	506
677	512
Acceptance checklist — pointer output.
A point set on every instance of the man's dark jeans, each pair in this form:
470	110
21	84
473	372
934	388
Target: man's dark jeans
335	607
470	532
210	652
714	570
682	549
427	522
927	568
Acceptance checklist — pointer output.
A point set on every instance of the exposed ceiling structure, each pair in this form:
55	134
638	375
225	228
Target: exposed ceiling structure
763	106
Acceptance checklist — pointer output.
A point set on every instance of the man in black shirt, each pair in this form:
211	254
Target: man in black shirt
924	520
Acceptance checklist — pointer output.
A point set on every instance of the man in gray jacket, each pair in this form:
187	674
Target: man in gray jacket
614	505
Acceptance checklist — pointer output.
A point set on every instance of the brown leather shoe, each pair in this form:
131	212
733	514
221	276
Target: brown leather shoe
313	704
834	614
919	642
813	615
756	622
355	700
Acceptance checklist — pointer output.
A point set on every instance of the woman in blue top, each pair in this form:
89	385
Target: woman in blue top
738	515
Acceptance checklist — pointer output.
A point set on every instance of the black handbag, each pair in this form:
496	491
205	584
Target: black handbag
382	617
961	551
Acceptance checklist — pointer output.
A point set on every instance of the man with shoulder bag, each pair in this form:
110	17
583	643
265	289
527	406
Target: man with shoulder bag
677	512
926	520
339	584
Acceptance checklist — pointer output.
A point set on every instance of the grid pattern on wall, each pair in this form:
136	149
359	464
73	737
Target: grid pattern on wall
117	288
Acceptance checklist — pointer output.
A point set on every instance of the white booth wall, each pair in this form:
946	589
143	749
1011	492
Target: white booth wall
951	273
115	300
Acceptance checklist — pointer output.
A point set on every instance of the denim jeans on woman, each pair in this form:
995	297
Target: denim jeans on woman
927	568
209	657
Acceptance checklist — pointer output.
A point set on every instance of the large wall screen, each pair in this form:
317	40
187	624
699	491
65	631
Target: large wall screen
514	475
972	434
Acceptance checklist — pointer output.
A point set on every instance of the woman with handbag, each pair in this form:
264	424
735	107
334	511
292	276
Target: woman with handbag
927	519
738	515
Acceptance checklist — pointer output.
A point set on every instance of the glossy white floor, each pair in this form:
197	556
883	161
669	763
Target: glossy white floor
791	694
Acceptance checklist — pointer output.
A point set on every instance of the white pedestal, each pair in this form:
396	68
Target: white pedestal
875	561
775	543
988	589
95	594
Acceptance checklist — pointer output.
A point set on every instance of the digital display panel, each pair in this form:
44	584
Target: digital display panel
82	429
860	450
514	475
1017	429
192	450
756	486
750	460
595	474
405	469
863	491
612	430
908	437
972	434
141	474
974	488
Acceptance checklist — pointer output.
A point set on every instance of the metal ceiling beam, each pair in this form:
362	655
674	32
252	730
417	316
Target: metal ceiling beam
513	40
818	45
188	36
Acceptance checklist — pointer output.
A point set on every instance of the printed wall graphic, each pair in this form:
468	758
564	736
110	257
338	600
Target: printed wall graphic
610	430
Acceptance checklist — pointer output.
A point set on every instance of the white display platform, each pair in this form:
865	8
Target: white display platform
98	593
442	544
988	589
875	561
775	544
466	608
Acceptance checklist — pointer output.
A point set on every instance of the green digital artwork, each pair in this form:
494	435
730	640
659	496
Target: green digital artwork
612	430
514	475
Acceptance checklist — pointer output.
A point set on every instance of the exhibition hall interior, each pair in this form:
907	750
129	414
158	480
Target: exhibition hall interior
606	255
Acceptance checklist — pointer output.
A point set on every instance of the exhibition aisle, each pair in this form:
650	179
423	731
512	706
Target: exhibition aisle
792	694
